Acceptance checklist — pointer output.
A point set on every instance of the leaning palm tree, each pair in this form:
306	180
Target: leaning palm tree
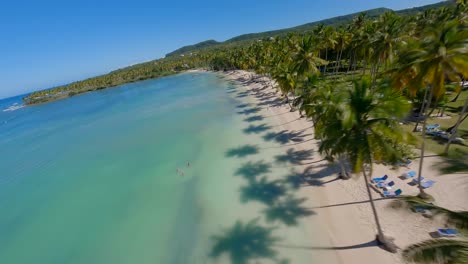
442	55
366	129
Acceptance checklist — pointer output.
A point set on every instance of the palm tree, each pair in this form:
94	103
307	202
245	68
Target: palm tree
328	35
441	55
287	81
365	130
343	39
385	41
320	104
305	58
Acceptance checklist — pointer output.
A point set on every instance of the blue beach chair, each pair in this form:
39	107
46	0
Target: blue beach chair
392	194
427	184
381	179
447	232
405	163
432	127
385	185
409	174
416	181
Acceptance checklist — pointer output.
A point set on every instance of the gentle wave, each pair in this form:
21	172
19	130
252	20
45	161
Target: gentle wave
13	107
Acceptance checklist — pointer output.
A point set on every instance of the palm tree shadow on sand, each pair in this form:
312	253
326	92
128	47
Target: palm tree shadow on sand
243	105
372	243
251	170
295	157
250	111
256	129
254	118
242	151
288	211
264	191
285	136
312	178
245	242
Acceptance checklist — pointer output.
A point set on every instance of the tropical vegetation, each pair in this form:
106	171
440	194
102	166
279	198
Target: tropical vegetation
356	81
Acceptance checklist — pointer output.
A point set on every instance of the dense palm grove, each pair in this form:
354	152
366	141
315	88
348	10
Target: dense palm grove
355	82
139	72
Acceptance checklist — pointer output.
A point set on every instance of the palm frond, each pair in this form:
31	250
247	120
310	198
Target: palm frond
442	251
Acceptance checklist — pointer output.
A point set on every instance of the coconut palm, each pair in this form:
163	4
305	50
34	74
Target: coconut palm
343	39
328	38
365	129
320	104
385	41
441	55
357	30
305	58
287	81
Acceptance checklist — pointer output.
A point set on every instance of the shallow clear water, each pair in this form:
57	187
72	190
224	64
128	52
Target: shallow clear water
93	179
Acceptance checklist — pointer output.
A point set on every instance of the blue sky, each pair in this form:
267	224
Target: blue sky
48	43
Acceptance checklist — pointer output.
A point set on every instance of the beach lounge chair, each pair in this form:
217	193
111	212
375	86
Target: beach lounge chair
416	181
432	127
405	163
409	174
386	186
392	194
381	179
447	232
420	209
427	184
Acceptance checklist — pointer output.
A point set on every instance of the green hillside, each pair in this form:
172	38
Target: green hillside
335	21
189	48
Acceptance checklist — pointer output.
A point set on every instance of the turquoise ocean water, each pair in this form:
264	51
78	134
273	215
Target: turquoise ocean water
93	179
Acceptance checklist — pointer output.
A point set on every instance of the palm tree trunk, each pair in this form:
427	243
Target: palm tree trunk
341	161
326	58
336	62
442	111
338	59
456	97
454	130
380	234
350	61
421	111
364	67
452	127
376	71
289	103
422	193
459	92
421	189
354	61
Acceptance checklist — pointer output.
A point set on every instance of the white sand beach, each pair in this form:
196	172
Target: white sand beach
342	207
